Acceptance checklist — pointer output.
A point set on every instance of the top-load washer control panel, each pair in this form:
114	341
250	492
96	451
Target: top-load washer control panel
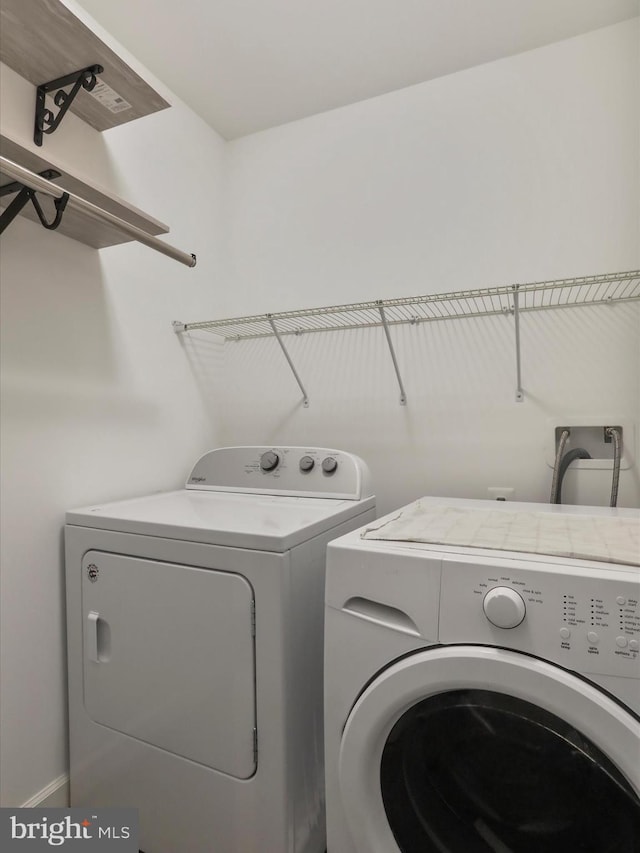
584	620
297	471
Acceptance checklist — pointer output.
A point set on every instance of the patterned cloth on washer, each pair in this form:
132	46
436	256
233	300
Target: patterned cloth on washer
585	537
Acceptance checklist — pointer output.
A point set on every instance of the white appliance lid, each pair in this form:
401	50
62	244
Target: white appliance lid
261	522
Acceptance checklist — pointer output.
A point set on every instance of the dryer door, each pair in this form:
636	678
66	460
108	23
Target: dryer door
169	657
470	749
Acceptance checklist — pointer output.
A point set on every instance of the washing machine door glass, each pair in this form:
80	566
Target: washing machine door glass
473	749
476	770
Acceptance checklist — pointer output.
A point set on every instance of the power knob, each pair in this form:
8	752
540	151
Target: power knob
269	460
504	607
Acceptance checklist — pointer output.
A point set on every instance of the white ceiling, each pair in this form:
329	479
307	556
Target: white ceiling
246	65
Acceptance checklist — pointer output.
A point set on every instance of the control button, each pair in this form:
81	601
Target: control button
593	638
622	642
621	600
269	460
329	465
634	645
307	463
565	633
504	607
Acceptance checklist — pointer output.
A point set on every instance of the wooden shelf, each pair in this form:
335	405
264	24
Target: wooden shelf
43	40
76	224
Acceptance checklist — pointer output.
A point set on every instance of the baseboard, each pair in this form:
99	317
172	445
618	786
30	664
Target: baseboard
54	796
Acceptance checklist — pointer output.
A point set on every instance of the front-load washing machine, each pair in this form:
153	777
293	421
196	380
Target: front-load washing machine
195	622
484	699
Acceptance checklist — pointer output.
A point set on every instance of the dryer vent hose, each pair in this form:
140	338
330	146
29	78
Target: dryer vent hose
563	460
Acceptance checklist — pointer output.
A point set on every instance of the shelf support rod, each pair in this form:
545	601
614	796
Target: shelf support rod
383	317
516	320
305	396
92	211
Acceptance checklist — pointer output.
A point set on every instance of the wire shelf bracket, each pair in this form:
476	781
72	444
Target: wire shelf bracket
383	317
305	396
516	323
514	299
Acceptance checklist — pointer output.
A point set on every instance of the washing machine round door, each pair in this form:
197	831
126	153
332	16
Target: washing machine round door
468	749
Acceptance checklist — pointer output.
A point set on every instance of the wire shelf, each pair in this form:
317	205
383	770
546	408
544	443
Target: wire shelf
510	300
535	296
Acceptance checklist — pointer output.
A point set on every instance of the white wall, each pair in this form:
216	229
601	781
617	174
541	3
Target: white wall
520	170
98	398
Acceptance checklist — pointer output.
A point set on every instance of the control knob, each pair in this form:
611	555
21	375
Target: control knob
329	465
307	463
269	460
504	607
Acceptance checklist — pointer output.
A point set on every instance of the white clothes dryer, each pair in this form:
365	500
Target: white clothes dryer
195	624
481	700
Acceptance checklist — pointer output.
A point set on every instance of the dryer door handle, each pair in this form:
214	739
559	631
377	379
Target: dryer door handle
92	635
98	638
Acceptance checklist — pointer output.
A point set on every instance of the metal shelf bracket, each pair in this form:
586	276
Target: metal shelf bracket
516	320
383	317
26	194
305	396
45	121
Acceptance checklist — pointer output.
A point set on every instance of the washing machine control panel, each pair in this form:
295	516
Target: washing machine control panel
585	620
296	471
